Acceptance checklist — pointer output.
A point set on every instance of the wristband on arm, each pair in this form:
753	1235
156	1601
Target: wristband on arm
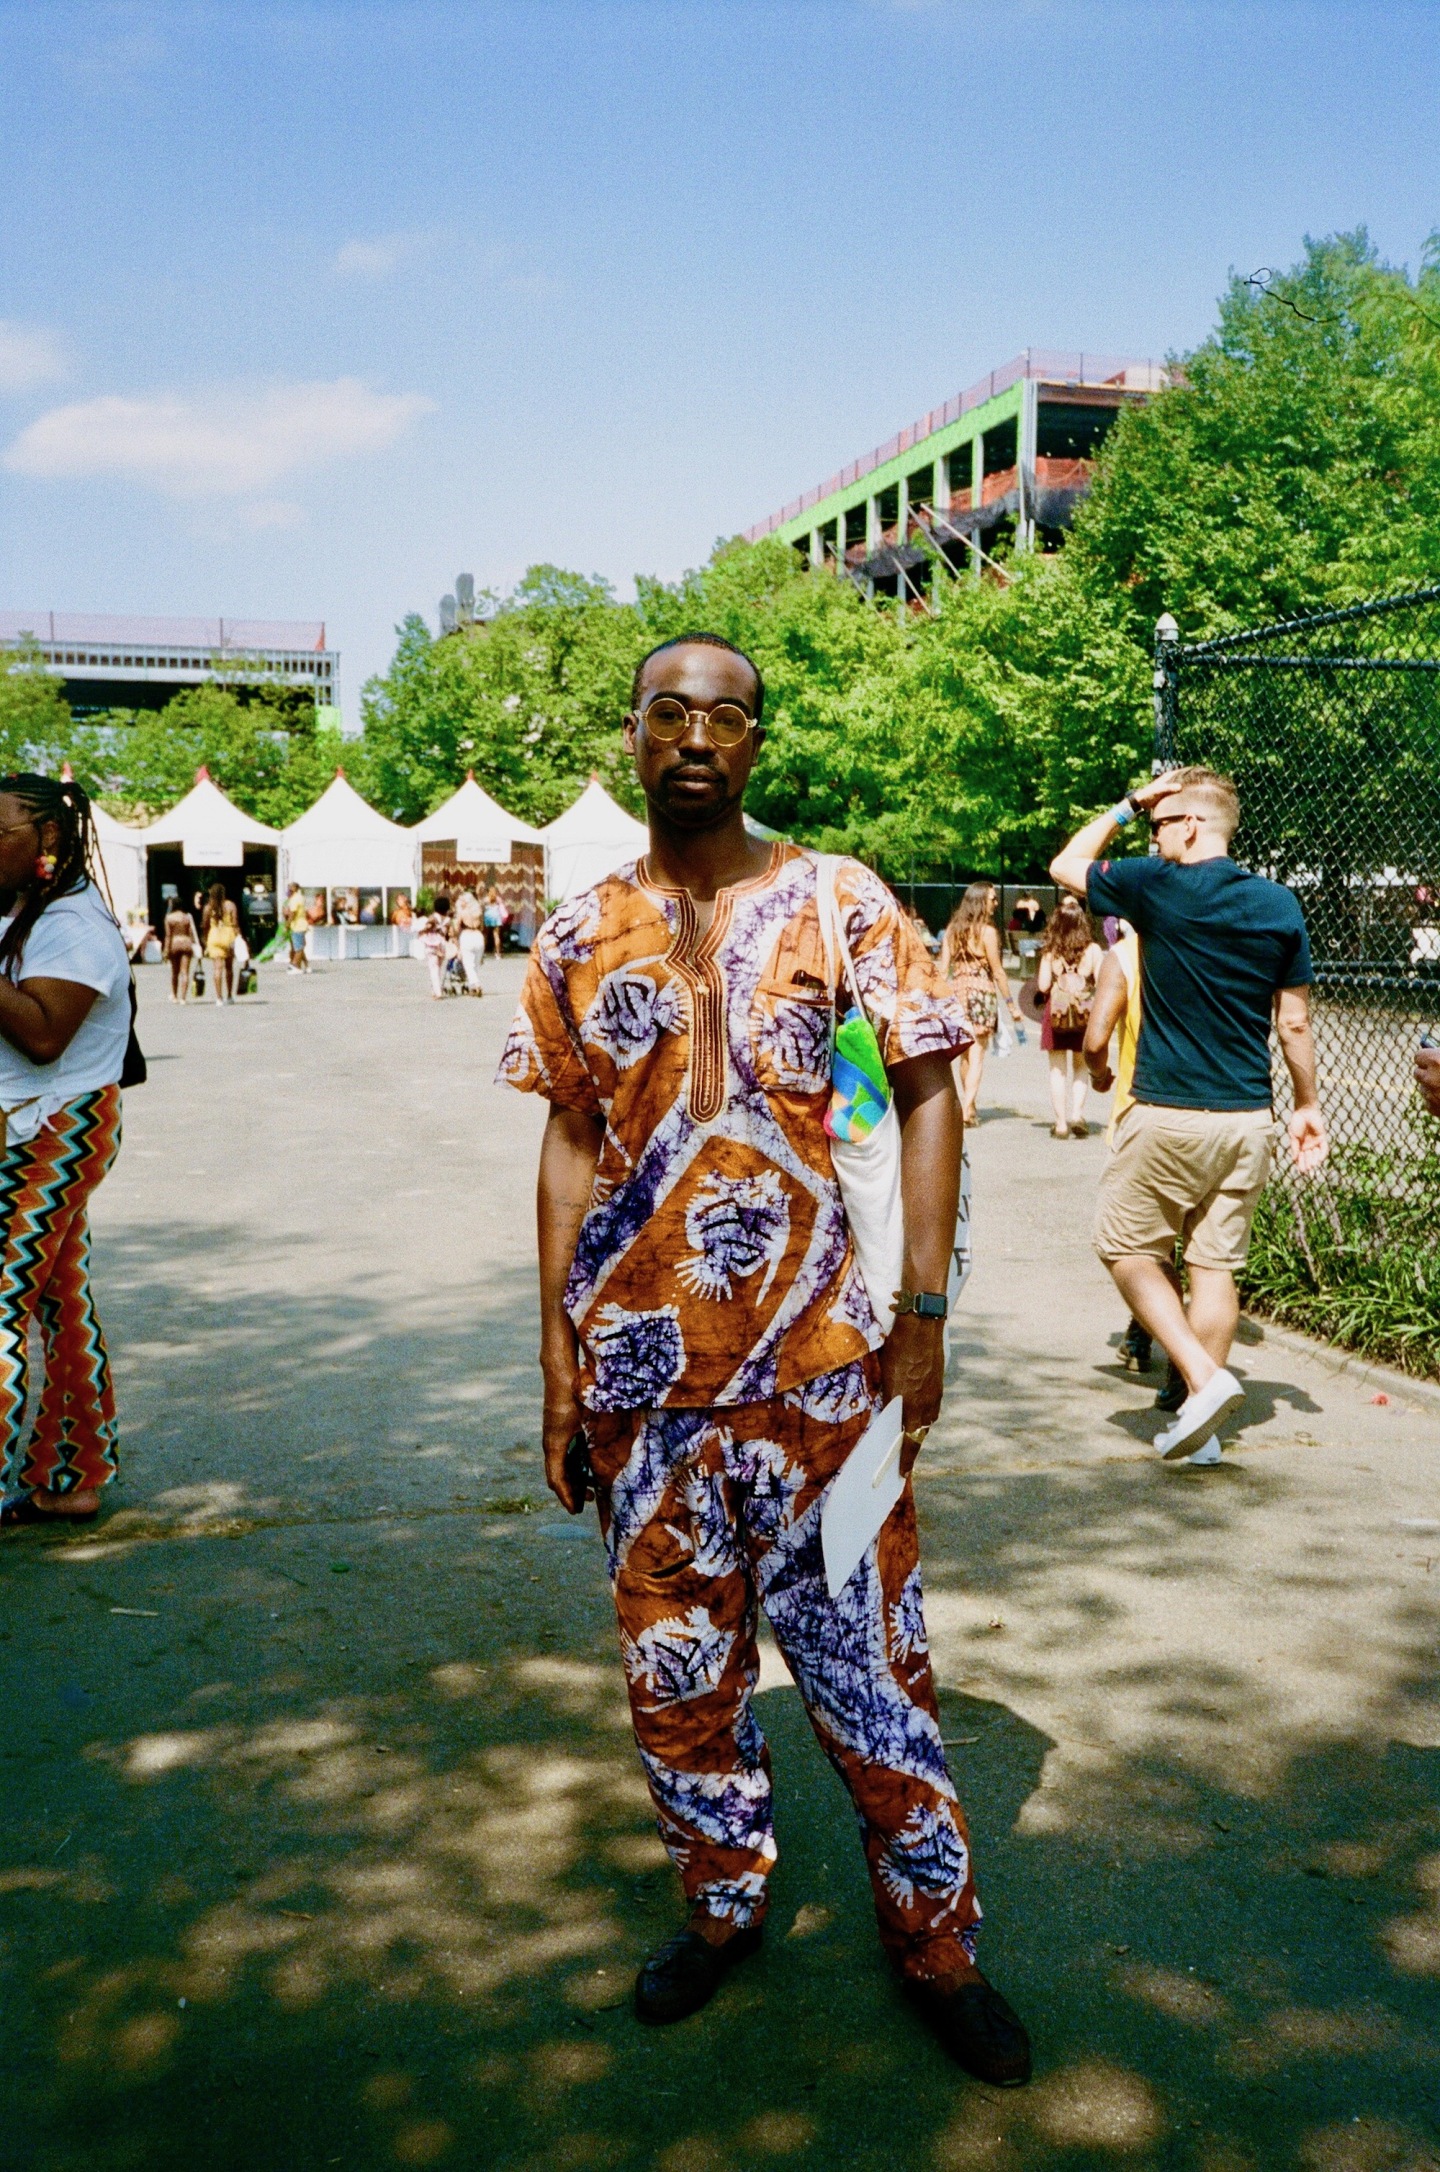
1123	811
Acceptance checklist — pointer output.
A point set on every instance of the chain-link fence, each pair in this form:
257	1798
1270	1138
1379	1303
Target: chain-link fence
1330	727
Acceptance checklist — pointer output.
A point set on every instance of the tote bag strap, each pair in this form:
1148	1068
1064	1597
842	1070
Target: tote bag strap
839	963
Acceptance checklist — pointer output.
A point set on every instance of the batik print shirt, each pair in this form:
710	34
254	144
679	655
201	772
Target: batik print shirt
714	1263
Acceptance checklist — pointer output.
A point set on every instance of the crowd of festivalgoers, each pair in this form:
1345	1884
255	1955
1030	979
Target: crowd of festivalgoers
454	937
210	942
717	1339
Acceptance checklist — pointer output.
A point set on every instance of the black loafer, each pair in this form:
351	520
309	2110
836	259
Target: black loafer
685	1973
981	2031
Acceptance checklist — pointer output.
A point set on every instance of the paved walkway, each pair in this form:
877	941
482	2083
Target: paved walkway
325	1843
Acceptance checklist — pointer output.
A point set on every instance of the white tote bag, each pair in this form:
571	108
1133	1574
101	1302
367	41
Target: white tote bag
867	1170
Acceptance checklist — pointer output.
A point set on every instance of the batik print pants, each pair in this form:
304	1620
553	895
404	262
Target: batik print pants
45	1276
710	1515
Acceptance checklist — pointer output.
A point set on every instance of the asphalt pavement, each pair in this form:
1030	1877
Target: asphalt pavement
325	1843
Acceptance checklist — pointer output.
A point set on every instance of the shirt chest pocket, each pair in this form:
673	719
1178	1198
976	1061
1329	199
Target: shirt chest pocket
791	1036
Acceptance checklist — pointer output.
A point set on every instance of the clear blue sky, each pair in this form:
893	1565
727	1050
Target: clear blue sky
306	308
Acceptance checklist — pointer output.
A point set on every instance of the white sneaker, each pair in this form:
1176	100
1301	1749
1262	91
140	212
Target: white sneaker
1200	1414
1210	1453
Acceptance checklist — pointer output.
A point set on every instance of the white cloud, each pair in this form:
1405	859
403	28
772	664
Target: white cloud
230	443
376	259
28	356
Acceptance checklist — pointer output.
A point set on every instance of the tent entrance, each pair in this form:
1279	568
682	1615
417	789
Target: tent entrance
251	886
520	880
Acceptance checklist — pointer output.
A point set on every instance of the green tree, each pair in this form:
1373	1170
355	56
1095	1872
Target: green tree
266	754
528	698
35	722
1294	464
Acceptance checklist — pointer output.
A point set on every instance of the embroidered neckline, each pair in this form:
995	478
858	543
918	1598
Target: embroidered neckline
778	854
694	956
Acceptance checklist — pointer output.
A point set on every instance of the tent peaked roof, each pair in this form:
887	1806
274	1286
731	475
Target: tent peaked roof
206	812
596	819
470	813
340	812
590	840
109	830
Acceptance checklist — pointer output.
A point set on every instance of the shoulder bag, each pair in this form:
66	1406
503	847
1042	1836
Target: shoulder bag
861	1122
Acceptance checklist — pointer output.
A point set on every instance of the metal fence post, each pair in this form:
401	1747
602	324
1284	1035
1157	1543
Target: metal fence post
1166	682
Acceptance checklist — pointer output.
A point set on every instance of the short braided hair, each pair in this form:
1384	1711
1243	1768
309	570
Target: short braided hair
701	641
67	804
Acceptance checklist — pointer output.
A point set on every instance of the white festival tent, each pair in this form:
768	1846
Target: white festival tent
122	856
342	843
589	841
480	829
210	829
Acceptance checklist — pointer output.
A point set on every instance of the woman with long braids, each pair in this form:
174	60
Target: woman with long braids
64	1024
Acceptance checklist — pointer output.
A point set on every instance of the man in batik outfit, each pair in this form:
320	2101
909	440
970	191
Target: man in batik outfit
708	1340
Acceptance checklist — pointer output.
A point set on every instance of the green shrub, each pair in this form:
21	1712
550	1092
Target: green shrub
1355	1257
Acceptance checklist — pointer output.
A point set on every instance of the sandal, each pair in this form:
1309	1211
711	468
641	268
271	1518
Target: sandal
25	1510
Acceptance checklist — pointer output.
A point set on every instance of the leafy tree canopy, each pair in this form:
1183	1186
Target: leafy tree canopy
35	721
1293	463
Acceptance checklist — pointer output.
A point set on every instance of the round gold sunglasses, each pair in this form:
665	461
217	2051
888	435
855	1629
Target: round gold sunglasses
667	719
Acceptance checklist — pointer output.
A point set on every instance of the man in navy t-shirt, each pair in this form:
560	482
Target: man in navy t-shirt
1222	954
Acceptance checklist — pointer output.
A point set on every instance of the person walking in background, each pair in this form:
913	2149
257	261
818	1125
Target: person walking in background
220	925
179	944
65	1011
431	941
970	960
1027	925
1115	1013
470	936
496	917
297	925
1223	954
1069	967
711	1354
1427	1077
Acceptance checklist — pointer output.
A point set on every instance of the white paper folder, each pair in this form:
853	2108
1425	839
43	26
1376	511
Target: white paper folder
865	1489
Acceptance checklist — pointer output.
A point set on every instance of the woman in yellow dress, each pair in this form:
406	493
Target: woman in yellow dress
220	927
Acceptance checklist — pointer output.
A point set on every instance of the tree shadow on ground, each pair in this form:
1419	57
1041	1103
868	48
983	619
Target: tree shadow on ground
327	1844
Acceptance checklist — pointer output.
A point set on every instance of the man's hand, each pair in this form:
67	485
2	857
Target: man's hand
1309	1143
912	1366
1103	1079
1427	1078
1071	864
564	1418
568	1156
912	1361
1150	795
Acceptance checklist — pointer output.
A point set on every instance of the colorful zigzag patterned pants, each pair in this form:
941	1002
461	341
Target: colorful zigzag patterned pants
709	1515
45	1186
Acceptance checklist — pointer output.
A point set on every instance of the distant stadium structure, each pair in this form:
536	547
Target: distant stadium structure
142	663
1005	462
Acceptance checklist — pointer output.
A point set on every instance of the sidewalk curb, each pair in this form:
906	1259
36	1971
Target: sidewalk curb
1401	1387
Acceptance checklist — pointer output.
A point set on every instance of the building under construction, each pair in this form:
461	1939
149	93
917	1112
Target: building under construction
1004	463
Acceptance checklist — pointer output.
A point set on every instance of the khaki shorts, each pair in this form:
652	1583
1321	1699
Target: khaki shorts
1192	1174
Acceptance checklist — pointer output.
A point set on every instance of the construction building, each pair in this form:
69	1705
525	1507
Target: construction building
1004	463
142	663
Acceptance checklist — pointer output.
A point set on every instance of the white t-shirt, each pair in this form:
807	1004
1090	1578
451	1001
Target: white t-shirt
74	939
